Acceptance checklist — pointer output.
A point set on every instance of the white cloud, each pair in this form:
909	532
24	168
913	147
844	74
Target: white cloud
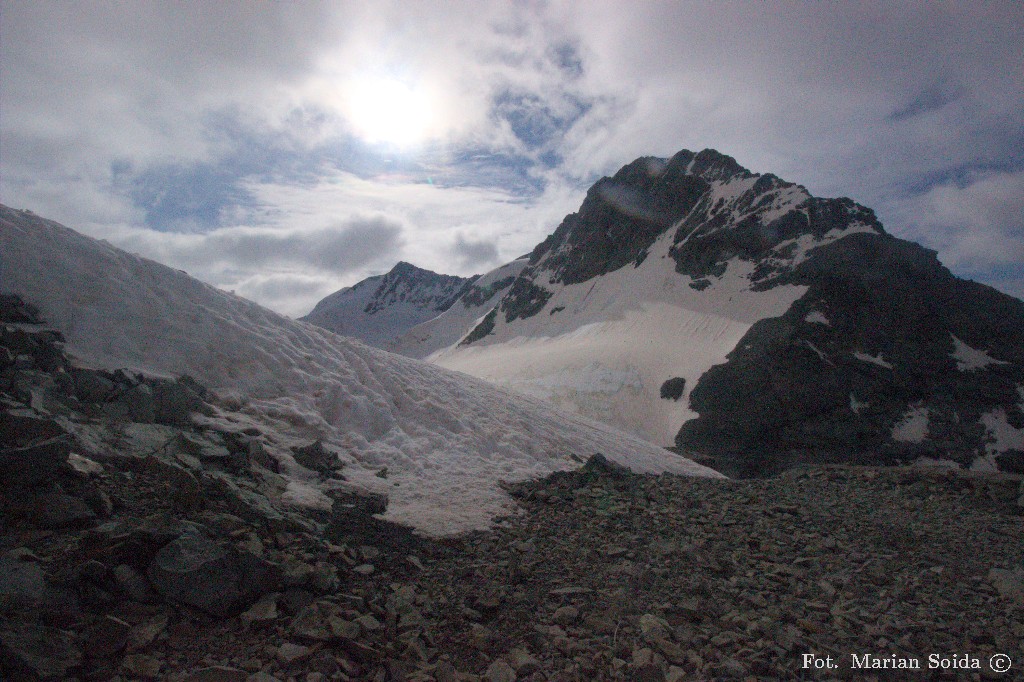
974	226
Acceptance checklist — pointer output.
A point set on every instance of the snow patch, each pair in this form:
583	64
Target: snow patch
873	359
857	405
1004	435
816	317
913	428
968	359
817	351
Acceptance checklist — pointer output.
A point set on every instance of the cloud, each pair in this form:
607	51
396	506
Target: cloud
473	253
976	225
290	293
222	137
284	267
930	99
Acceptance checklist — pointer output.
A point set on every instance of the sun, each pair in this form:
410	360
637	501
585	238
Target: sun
389	111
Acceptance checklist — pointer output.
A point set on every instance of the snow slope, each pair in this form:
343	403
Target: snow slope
446	439
616	338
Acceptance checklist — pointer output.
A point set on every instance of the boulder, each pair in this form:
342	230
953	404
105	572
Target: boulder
28	650
1009	583
174	402
91	386
136	404
21	426
185	490
196	571
56	509
36	464
314	456
24	586
13	309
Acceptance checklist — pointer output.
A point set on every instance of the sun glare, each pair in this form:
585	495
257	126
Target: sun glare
387	111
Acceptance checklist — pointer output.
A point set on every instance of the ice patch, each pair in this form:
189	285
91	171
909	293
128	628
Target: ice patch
816	317
913	428
968	358
873	359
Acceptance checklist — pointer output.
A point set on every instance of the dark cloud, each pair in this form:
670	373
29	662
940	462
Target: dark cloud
338	249
930	99
475	253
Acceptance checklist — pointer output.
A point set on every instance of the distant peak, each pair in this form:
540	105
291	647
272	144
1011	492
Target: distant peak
404	270
404	266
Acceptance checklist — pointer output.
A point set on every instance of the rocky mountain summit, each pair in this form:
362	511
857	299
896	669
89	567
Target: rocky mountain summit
143	537
380	309
735	316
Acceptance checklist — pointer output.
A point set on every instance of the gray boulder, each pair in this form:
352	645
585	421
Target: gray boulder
35	464
136	404
33	651
174	402
91	386
196	571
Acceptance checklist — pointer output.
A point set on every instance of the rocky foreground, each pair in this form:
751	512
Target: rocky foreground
144	536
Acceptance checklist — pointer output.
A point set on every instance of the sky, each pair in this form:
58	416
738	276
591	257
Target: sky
285	150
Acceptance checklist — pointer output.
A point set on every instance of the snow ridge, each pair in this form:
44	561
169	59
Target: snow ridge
446	439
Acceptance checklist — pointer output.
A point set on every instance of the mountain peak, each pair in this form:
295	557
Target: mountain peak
406	268
704	197
380	309
791	327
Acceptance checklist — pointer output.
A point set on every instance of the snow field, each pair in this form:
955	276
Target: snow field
446	439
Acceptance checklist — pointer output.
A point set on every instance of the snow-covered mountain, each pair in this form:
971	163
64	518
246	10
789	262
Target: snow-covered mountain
446	440
693	302
382	308
450	326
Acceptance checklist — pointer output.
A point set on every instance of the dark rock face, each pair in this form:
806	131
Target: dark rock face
622	216
524	299
794	389
481	330
711	239
477	296
673	388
